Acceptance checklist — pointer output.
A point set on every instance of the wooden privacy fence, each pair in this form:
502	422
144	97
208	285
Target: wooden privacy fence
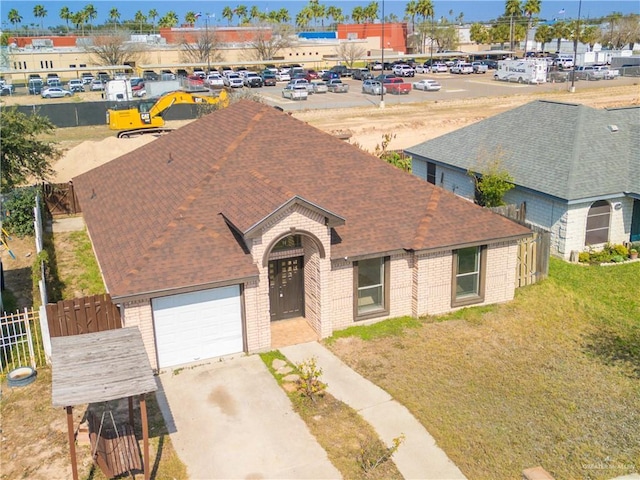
533	257
96	313
60	198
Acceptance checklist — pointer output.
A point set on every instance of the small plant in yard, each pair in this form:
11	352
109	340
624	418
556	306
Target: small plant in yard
309	383
372	453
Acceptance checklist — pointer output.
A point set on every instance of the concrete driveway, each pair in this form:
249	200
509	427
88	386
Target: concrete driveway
231	420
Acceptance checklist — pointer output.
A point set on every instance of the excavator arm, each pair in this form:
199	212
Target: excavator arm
141	120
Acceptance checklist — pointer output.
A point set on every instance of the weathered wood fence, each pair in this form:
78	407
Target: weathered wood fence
95	313
60	198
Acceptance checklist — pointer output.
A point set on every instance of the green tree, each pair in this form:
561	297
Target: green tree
79	19
227	13
560	31
512	9
357	14
242	13
152	15
170	19
40	12
26	154
500	33
317	11
190	18
530	8
66	15
90	14
392	157
492	182
478	33
590	35
14	17
411	10
303	18
544	34
283	16
114	16
335	13
371	12
140	19
254	13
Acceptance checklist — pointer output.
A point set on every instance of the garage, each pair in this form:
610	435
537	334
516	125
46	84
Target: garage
198	325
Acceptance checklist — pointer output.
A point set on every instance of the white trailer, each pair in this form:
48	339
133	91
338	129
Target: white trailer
522	71
118	91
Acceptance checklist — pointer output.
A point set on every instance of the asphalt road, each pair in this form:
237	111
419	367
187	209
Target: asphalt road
453	86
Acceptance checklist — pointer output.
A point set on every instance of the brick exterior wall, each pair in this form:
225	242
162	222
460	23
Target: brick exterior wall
419	283
138	314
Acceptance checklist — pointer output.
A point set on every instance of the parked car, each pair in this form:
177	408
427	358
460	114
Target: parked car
97	85
557	76
198	72
104	76
268	78
319	86
397	86
427	85
302	81
233	80
252	80
362	74
75	85
341	70
182	73
479	67
384	77
420	69
283	76
295	92
55	92
6	88
328	75
150	75
87	77
195	81
215	80
311	75
439	68
34	86
373	87
335	85
403	70
462	69
376	66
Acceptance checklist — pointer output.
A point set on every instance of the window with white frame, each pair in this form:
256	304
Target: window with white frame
598	220
371	279
468	276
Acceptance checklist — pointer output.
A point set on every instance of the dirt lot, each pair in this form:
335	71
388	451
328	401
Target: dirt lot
410	123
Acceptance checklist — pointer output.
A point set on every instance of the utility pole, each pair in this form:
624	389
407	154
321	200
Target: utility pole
382	83
575	50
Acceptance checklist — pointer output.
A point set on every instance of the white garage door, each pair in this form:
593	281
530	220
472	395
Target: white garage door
199	325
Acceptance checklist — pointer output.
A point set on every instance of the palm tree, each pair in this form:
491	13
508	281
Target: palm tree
190	18
560	31
303	18
14	17
140	18
371	12
114	16
228	14
543	35
530	8
590	35
40	12
91	14
254	13
283	16
357	14
66	15
153	14
241	13
411	10
512	8
169	20
425	9
335	13
79	19
317	11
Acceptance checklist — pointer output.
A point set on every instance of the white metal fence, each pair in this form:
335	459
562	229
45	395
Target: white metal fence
20	341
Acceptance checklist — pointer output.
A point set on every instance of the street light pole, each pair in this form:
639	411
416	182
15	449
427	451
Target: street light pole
575	50
208	44
382	56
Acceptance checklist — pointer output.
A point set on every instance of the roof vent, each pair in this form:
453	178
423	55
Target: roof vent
613	128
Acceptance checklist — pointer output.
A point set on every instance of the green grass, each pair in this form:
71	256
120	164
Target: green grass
394	327
89	278
338	428
551	378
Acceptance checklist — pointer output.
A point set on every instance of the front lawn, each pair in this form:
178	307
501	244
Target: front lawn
550	379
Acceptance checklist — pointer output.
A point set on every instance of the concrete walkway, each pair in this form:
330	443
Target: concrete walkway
418	457
231	420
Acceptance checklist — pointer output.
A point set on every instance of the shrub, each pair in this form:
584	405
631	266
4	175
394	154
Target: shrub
18	211
373	453
309	383
617	259
584	257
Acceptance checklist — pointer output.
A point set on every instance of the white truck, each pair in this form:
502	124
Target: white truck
532	71
118	91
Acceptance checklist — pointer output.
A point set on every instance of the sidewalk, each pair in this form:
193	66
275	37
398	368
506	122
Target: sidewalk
418	457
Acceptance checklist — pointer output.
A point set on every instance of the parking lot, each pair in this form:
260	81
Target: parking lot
453	86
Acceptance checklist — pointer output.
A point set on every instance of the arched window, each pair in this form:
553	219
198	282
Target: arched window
598	223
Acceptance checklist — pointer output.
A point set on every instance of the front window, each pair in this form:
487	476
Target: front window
371	282
598	220
468	273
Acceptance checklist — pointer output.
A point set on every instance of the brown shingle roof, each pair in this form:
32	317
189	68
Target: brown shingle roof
155	215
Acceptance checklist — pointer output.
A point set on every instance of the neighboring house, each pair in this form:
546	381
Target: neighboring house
577	168
248	216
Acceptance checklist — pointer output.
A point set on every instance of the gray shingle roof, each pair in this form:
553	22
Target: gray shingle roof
565	150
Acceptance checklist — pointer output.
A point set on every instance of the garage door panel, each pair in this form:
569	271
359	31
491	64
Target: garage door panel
198	325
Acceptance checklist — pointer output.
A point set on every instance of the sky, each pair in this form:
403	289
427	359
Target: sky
477	10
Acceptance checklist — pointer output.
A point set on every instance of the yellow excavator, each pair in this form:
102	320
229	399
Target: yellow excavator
147	117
